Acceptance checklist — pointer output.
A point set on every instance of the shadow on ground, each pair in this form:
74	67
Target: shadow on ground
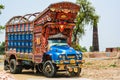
31	73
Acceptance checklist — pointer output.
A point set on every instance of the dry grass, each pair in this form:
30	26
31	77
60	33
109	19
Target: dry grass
101	63
101	69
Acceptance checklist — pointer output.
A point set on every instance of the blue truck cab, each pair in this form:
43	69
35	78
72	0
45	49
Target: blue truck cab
62	58
62	53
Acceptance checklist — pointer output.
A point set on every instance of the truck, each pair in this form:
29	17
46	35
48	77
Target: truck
42	41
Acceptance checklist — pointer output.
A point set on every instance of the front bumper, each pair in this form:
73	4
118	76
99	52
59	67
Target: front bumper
69	65
72	61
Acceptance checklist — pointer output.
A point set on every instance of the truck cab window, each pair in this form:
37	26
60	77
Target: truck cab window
57	42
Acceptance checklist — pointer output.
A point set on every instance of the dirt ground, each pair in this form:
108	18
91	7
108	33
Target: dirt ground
92	70
102	69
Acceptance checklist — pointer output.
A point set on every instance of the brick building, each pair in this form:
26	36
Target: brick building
114	49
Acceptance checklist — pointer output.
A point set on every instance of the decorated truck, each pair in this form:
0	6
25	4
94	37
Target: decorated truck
42	41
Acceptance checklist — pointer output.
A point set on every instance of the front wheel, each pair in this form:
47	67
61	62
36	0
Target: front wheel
49	69
15	69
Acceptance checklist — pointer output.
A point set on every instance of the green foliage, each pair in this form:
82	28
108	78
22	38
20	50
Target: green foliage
91	48
113	65
85	16
118	48
2	27
84	49
2	48
79	48
89	63
1	7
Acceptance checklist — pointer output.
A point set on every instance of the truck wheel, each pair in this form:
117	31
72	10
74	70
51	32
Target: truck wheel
39	68
6	65
75	73
15	68
49	69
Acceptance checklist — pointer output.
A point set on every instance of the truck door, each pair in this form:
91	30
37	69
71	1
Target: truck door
37	43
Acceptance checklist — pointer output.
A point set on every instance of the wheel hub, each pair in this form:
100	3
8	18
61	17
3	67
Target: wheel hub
48	68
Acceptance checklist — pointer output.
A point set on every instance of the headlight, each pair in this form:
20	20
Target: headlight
79	56
62	57
77	52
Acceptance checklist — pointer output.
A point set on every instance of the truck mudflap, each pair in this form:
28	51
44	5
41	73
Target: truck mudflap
69	67
72	68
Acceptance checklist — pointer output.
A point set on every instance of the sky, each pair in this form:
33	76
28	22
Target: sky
108	26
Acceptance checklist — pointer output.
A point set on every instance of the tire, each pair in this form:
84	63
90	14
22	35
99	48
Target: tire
15	69
6	66
39	68
76	74
49	69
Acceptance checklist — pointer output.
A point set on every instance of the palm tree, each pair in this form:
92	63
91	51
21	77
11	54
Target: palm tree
85	16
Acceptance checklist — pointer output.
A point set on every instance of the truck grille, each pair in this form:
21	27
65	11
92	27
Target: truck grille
71	56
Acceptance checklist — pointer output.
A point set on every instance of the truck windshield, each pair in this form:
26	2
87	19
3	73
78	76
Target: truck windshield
58	42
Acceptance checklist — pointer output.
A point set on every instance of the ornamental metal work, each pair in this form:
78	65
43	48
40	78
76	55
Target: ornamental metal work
22	19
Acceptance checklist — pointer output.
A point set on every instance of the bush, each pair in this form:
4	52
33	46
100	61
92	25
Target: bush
79	48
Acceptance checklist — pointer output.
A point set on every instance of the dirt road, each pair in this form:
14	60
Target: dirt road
30	75
93	70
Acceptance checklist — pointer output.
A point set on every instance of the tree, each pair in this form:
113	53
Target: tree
2	27
2	48
79	48
1	7
91	48
85	16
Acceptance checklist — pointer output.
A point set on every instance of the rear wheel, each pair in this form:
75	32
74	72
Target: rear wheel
15	69
49	69
6	65
39	68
